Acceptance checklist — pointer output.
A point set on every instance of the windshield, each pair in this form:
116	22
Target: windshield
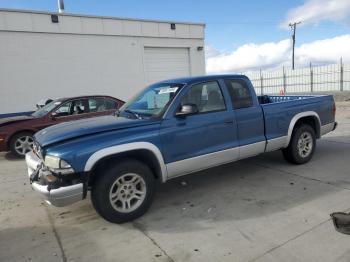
46	109
152	101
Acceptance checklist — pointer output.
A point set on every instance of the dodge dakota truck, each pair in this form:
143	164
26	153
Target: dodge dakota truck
170	129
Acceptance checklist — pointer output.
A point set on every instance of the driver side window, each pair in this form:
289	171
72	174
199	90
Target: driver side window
64	110
206	96
75	107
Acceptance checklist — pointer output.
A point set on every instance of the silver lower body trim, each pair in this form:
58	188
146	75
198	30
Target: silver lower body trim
202	162
251	150
276	143
327	128
59	197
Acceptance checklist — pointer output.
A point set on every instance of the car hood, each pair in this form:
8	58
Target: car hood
70	130
8	120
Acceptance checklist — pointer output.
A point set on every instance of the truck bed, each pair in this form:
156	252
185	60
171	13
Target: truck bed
279	110
266	99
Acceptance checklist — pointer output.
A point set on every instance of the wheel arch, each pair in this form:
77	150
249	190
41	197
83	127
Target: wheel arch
309	117
145	152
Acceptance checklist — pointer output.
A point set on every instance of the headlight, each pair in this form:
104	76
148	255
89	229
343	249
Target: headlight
52	161
57	165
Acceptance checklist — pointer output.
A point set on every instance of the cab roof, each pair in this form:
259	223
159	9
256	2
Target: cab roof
195	79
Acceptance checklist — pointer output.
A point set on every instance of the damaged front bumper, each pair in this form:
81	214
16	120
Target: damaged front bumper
58	193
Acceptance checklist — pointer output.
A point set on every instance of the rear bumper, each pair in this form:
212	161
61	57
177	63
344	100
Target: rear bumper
59	197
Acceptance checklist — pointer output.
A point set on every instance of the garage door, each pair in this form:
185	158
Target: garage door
166	63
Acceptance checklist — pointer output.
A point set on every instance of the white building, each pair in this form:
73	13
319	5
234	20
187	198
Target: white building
45	55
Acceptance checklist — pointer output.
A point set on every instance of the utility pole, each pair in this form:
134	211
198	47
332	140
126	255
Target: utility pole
293	27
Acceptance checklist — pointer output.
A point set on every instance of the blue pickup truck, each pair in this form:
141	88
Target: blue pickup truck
170	129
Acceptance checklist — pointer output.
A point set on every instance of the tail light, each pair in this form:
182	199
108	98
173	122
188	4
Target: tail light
334	109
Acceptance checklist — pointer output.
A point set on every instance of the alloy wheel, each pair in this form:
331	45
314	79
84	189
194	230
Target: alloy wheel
24	144
127	193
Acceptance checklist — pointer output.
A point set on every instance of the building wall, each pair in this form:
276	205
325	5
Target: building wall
81	56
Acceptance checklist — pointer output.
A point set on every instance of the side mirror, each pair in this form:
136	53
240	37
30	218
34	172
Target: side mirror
187	109
53	115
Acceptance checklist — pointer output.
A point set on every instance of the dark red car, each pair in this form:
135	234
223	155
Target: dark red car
16	133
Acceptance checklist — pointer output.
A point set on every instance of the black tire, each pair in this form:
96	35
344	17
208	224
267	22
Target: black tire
292	153
14	141
100	192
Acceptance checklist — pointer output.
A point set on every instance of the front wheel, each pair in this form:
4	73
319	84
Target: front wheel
123	192
302	145
21	144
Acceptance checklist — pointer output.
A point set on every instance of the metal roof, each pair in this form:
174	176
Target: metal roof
96	16
14	20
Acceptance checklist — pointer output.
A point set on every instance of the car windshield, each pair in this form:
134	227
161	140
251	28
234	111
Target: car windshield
46	109
152	101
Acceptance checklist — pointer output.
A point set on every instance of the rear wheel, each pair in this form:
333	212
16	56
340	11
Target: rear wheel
21	144
123	192
302	145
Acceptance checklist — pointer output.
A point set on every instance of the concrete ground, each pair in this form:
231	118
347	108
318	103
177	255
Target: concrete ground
259	209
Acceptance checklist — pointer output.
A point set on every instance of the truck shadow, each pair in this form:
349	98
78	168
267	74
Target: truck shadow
248	189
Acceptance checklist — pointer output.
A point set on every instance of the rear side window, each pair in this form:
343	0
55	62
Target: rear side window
97	104
101	104
239	93
111	104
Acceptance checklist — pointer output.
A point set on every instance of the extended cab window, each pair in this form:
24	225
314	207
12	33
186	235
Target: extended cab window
206	96
239	93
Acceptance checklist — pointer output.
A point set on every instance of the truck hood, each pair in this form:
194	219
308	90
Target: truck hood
70	130
13	119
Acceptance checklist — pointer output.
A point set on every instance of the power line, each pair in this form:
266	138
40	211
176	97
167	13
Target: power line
293	27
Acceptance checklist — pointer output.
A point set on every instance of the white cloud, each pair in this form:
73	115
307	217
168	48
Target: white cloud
211	51
314	11
324	51
250	57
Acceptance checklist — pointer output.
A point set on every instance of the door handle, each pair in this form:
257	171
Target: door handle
229	121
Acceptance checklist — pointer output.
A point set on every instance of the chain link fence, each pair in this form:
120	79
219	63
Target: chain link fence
335	77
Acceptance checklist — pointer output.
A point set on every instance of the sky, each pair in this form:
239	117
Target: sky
240	35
